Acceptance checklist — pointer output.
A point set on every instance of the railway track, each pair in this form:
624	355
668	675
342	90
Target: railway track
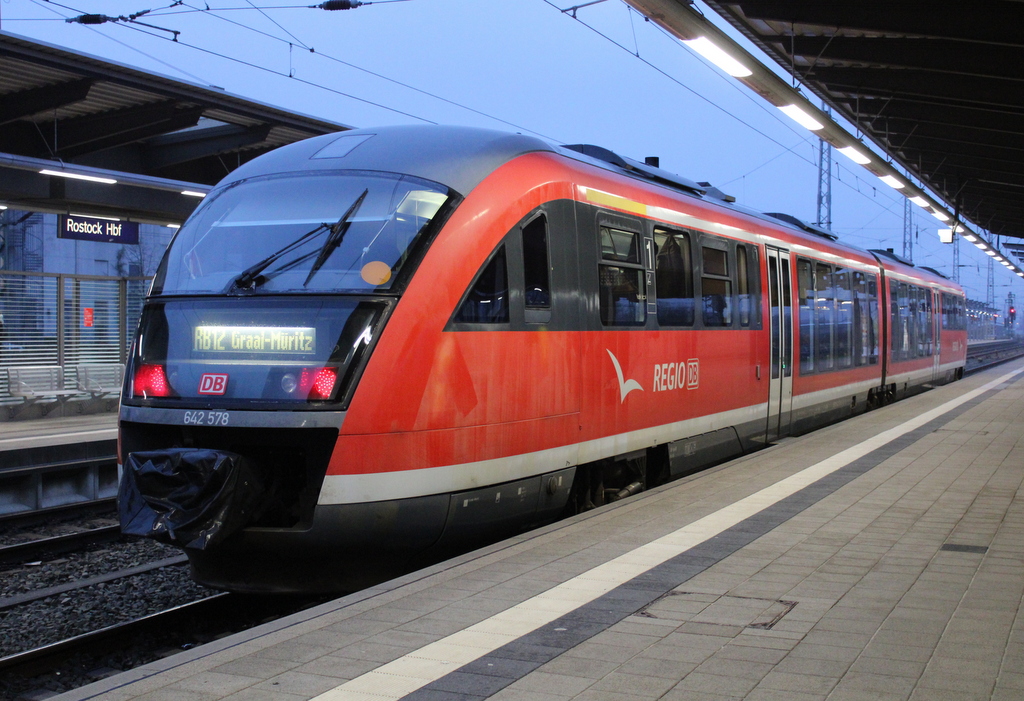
98	643
75	661
43	548
981	356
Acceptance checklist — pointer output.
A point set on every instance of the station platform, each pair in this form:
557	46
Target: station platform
879	558
40	441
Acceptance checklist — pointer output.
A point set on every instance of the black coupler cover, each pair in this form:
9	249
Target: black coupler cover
189	497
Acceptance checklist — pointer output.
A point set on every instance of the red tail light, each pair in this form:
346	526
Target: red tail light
318	381
151	381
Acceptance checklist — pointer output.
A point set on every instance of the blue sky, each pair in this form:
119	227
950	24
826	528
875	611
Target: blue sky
520	65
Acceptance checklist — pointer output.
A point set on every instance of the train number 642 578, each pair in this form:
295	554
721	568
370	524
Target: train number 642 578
207	418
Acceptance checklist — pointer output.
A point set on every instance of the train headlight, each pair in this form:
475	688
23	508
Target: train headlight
289	382
151	381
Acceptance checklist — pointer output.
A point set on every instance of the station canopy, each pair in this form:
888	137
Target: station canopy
156	136
938	86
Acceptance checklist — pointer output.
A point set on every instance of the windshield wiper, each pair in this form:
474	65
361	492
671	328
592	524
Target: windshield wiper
249	275
334	239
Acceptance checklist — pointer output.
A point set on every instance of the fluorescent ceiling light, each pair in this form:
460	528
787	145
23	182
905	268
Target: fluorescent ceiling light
94	216
941	216
706	48
970	238
173	226
892	181
981	245
854	155
193	193
919	201
3	207
78	176
991	253
802	118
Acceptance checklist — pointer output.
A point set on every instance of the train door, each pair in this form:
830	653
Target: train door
780	373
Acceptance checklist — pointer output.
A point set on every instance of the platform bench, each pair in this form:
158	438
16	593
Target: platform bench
34	382
99	379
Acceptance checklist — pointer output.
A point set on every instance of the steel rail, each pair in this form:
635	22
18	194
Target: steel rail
38	549
47	657
37	594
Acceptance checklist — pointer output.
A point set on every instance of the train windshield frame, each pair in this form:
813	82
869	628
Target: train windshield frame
296	233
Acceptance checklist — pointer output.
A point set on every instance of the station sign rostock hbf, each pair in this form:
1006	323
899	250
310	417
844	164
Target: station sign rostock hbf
74	226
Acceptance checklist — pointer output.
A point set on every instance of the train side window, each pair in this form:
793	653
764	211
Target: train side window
618	245
787	306
744	298
894	319
535	263
716	287
906	331
871	350
674	278
915	300
774	306
844	318
923	328
622	294
933	308
824	316
947	300
865	320
487	300
805	283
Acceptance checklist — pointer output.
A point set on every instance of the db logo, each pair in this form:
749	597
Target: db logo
211	383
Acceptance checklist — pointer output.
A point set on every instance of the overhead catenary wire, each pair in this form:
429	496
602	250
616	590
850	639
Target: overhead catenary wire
850	183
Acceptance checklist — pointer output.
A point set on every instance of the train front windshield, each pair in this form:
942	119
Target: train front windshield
337	232
274	290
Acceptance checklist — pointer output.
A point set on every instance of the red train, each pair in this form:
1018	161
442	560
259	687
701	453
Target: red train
365	351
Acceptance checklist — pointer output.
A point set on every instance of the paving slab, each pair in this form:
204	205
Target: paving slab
879	558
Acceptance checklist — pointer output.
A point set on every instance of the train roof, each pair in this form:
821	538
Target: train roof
458	157
462	157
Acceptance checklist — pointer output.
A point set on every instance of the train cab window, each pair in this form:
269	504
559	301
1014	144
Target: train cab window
716	287
535	264
623	285
674	274
487	300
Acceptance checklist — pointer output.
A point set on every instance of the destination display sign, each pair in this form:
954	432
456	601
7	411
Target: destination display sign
254	339
75	226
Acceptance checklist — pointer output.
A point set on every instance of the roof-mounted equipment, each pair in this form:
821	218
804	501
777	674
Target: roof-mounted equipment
643	170
713	191
890	254
802	225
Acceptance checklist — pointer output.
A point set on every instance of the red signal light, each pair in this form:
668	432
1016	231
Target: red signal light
151	381
318	381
